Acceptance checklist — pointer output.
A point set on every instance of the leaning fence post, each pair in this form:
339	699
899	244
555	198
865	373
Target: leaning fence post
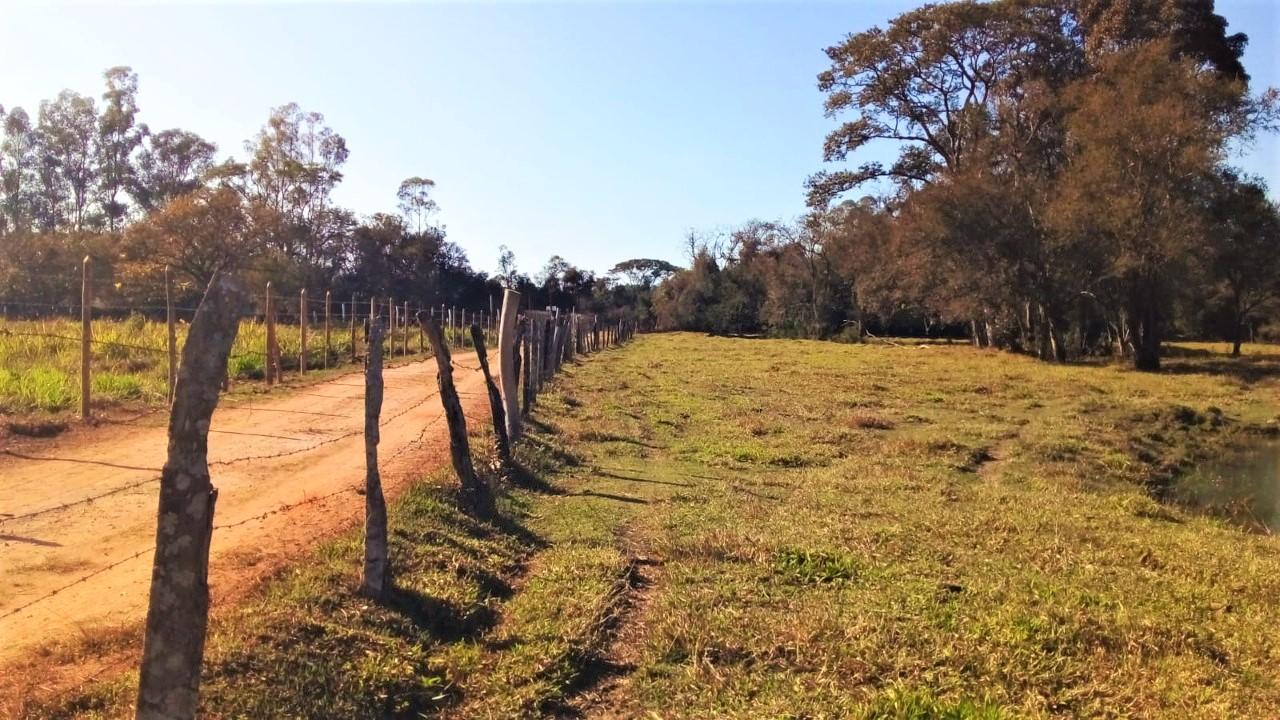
173	332
507	360
178	606
475	494
86	334
377	564
501	440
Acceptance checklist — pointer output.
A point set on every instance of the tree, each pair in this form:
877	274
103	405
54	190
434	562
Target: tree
118	138
199	234
294	166
644	272
929	82
1146	138
172	163
18	160
66	133
415	200
1245	232
507	270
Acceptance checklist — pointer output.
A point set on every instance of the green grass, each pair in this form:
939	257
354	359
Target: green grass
718	528
129	360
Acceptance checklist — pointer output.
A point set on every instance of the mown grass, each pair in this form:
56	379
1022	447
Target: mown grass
40	359
715	528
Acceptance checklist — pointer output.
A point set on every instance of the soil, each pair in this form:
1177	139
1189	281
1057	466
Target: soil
77	511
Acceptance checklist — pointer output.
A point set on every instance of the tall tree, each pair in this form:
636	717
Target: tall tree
118	137
66	133
416	202
1146	138
172	163
1245	250
18	162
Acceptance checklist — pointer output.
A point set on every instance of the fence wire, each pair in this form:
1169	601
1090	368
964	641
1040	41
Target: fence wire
479	424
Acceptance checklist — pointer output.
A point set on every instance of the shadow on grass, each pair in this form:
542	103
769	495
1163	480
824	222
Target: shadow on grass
1246	369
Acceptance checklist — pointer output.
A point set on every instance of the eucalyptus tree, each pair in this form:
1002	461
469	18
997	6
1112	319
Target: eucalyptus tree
119	136
171	163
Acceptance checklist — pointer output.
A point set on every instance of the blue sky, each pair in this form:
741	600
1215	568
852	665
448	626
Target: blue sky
598	132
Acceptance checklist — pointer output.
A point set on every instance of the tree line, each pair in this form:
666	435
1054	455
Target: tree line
85	176
1062	187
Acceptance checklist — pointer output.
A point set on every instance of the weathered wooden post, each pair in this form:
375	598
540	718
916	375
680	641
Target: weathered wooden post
86	334
391	327
422	339
272	369
507	360
328	320
171	326
475	495
178	609
302	329
353	328
404	322
377	564
526	364
501	441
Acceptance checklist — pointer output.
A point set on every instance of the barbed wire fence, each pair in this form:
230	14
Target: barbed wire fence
532	345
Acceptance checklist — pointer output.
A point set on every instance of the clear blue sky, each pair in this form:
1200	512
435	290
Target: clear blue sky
598	132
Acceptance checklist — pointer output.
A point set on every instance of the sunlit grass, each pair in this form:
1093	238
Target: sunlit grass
715	528
40	359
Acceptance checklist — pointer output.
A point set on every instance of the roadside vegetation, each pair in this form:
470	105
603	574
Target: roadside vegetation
40	360
710	527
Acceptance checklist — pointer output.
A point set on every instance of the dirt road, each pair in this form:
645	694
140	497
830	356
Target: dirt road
286	469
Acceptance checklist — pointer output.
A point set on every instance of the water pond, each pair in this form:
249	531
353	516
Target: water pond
1243	486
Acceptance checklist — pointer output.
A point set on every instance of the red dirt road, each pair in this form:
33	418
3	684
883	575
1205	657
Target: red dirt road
286	469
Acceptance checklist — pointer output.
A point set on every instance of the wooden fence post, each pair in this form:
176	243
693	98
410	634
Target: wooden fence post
507	351
377	564
302	325
353	328
270	315
328	318
404	322
501	441
86	334
526	364
178	608
475	495
391	327
171	326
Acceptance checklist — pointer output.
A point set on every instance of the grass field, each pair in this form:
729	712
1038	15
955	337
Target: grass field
40	360
716	528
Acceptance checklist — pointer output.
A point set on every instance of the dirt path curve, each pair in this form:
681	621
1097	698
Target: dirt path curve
286	469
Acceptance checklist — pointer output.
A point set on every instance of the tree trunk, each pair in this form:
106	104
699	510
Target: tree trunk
178	609
377	565
475	494
501	441
1145	329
